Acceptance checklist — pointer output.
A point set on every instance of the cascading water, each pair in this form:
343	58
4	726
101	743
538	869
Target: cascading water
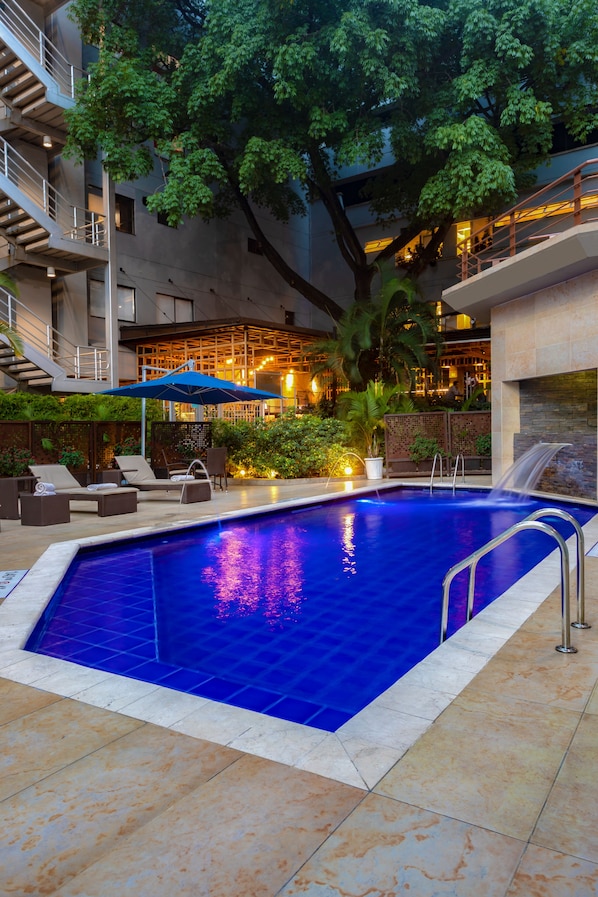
524	473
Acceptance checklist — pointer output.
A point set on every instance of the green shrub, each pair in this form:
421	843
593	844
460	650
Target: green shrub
483	444
289	447
14	461
423	448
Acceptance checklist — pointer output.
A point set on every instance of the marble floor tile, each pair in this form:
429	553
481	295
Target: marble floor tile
95	801
245	832
488	763
31	749
389	848
530	666
568	822
18	700
547	873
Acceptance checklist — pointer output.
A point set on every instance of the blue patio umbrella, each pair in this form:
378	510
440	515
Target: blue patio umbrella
189	386
194	388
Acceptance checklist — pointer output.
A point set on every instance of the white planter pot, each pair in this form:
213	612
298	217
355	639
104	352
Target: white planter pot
373	468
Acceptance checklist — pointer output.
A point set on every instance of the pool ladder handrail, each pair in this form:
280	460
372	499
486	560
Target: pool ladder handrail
456	470
531	522
437	457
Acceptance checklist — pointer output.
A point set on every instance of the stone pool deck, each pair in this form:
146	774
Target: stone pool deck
119	793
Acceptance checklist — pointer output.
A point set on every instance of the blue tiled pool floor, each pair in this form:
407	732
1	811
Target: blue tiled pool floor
305	616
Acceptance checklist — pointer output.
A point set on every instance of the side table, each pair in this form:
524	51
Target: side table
10	487
44	510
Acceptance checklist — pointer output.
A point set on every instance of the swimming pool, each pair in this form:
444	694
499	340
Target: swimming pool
299	615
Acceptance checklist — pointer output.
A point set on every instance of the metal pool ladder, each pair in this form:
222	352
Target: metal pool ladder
437	457
531	522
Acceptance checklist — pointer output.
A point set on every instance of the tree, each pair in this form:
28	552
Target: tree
383	340
263	102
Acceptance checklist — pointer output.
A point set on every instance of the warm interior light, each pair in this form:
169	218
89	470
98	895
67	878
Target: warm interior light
47	142
50	271
378	245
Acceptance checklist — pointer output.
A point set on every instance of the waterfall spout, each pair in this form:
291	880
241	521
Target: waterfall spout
524	473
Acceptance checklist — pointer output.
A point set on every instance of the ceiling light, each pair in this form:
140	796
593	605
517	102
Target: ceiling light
47	141
51	272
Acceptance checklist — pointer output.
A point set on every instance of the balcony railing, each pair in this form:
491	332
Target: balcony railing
570	200
75	223
81	362
32	38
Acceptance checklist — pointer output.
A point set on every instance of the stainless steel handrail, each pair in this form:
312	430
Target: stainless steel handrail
460	455
472	560
437	457
580	623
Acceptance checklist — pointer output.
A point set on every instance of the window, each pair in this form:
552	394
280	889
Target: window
97	302
124	209
173	310
254	246
124	214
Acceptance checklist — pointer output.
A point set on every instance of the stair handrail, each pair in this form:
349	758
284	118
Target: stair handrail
74	222
80	362
569	200
471	562
45	53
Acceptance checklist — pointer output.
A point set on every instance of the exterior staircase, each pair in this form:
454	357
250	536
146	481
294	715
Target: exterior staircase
40	226
49	360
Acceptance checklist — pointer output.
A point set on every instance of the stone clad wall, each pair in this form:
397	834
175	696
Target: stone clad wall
562	408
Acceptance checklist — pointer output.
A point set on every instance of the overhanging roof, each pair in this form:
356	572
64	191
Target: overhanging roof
556	260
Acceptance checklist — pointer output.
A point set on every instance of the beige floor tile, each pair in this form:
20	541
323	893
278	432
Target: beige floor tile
18	700
568	823
95	801
389	848
488	763
530	667
547	873
49	739
245	832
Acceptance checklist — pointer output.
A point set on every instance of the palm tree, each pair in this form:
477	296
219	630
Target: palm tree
11	337
383	340
364	410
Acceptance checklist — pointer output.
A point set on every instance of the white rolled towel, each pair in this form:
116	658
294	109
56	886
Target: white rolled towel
100	487
45	489
182	477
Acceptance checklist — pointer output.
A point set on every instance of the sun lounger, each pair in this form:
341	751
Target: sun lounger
57	478
139	474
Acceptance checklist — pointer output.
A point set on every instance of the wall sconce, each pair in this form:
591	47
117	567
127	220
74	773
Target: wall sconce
50	271
47	141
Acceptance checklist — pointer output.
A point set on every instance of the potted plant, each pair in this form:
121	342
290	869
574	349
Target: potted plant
365	412
483	446
423	448
14	461
71	457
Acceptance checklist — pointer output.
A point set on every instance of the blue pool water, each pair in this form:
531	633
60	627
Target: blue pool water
304	615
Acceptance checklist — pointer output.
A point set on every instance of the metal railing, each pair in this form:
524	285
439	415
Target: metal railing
75	223
531	522
460	457
437	457
81	362
14	18
568	201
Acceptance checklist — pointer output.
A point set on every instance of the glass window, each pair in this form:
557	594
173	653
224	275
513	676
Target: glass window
97	302
173	310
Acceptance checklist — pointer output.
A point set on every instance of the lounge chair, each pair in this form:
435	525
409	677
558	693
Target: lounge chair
118	500
139	474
